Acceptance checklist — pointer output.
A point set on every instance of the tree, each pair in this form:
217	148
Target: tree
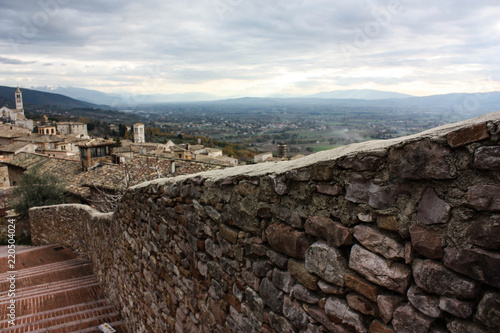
37	189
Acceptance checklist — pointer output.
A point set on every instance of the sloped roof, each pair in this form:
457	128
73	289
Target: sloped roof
65	169
13	147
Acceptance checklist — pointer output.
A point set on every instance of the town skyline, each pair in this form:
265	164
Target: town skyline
242	48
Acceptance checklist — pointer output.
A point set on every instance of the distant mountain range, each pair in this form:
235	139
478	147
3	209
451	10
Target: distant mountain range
71	97
98	97
359	94
42	98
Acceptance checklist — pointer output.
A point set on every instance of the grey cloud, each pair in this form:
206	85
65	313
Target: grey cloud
10	61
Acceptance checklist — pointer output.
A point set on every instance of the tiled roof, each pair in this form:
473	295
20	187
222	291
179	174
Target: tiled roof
96	143
13	147
11	131
140	169
38	138
66	170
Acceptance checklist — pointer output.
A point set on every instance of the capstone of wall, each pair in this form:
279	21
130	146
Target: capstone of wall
386	236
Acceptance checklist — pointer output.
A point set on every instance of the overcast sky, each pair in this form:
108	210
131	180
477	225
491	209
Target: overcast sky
252	47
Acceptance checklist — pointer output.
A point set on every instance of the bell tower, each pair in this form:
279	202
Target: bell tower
19	99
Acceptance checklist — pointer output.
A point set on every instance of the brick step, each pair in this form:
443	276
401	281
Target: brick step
106	313
42	277
49	302
36	270
37	257
28	318
51	288
119	326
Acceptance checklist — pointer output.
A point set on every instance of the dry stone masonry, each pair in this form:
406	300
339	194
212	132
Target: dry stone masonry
387	236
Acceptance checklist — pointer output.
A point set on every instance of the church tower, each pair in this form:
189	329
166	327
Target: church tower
19	99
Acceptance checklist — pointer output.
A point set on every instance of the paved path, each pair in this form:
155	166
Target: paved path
55	292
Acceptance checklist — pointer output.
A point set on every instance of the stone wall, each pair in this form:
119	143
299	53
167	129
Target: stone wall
400	235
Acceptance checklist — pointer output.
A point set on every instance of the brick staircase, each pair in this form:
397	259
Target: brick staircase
55	292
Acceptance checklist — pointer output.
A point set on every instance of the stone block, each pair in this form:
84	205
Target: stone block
388	222
278	259
288	216
326	262
280	324
261	267
272	296
432	209
484	197
387	304
360	285
338	308
488	311
362	304
485	232
421	160
481	265
305	295
468	135
456	307
285	239
299	271
425	303
332	190
361	190
333	232
427	241
394	276
228	233
487	158
283	280
378	327
408	320
328	288
379	242
461	326
320	316
367	163
433	277
295	313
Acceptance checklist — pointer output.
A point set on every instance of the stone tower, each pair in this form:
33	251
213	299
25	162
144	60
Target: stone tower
19	99
139	133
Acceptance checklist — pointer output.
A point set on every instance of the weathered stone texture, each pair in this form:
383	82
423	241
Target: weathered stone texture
427	242
394	276
408	320
485	232
433	277
456	307
488	310
421	160
432	209
327	262
379	242
476	263
468	135
285	239
487	158
333	232
484	197
339	309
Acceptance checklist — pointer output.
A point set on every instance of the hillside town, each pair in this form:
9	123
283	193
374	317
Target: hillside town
96	171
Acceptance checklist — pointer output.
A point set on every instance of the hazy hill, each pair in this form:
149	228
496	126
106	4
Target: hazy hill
43	98
359	94
99	97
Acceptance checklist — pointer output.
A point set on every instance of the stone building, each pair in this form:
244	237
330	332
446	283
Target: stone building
139	135
94	151
16	116
73	128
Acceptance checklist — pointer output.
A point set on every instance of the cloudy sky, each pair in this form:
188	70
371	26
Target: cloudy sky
252	47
